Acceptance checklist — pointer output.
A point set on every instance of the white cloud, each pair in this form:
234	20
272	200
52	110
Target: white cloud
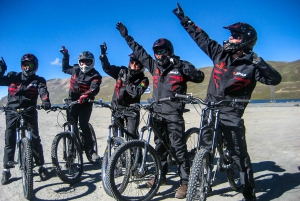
56	62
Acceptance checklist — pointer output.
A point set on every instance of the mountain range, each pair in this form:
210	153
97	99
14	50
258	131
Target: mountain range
289	88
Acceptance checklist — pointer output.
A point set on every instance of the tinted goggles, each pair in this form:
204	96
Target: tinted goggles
160	52
28	66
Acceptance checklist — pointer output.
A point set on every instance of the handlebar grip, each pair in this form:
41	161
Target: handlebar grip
241	100
164	99
182	96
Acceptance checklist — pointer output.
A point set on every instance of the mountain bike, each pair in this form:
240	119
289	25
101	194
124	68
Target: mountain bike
203	173
113	142
67	147
24	150
144	162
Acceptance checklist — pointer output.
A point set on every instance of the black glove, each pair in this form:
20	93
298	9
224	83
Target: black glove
46	105
122	29
179	12
64	51
253	58
176	62
3	67
103	48
124	76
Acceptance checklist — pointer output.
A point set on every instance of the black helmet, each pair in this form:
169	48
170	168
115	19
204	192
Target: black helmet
32	69
86	55
161	44
134	72
248	33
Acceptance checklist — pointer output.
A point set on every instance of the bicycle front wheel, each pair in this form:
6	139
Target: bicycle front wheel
197	186
66	158
233	177
139	173
115	142
191	140
26	162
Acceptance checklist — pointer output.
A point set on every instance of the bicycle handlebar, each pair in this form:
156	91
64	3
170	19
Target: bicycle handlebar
210	103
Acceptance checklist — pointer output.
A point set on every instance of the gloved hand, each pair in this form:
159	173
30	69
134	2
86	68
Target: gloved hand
103	48
46	105
3	67
175	62
179	12
253	57
122	29
83	99
64	51
124	76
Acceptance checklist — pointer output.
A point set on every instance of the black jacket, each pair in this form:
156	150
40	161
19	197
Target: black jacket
167	81
231	79
81	83
23	91
128	91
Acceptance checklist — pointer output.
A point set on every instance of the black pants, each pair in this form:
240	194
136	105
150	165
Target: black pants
174	127
132	124
82	113
234	131
10	137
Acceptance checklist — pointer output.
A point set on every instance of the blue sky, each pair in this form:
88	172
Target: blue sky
42	27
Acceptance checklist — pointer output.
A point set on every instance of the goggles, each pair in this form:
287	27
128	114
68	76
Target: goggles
134	62
85	61
28	66
160	52
236	36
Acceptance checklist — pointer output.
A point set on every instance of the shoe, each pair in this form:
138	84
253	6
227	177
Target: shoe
181	191
94	156
5	176
249	199
43	173
150	183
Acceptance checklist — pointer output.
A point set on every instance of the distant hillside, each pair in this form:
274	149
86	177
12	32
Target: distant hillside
289	88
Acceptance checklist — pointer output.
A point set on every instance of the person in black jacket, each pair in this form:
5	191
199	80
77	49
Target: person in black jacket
23	91
84	84
170	76
235	73
131	83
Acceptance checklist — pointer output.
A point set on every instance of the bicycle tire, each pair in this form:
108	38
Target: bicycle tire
68	164
197	179
136	182
27	166
95	146
233	178
191	140
105	161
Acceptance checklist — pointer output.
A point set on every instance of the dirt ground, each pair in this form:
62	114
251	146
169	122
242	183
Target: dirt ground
273	137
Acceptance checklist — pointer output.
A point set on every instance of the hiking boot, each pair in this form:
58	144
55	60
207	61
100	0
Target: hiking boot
5	176
181	191
150	183
43	173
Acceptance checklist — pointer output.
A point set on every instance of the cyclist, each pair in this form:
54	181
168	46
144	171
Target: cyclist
84	84
131	83
236	70
170	76
23	91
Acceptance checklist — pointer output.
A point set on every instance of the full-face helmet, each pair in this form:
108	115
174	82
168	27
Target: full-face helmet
248	37
163	47
86	61
29	64
133	60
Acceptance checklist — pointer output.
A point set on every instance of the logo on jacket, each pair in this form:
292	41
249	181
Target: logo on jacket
239	74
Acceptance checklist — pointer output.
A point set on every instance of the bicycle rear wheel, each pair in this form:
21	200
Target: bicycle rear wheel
67	161
26	168
233	177
115	142
95	147
135	187
197	186
191	140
